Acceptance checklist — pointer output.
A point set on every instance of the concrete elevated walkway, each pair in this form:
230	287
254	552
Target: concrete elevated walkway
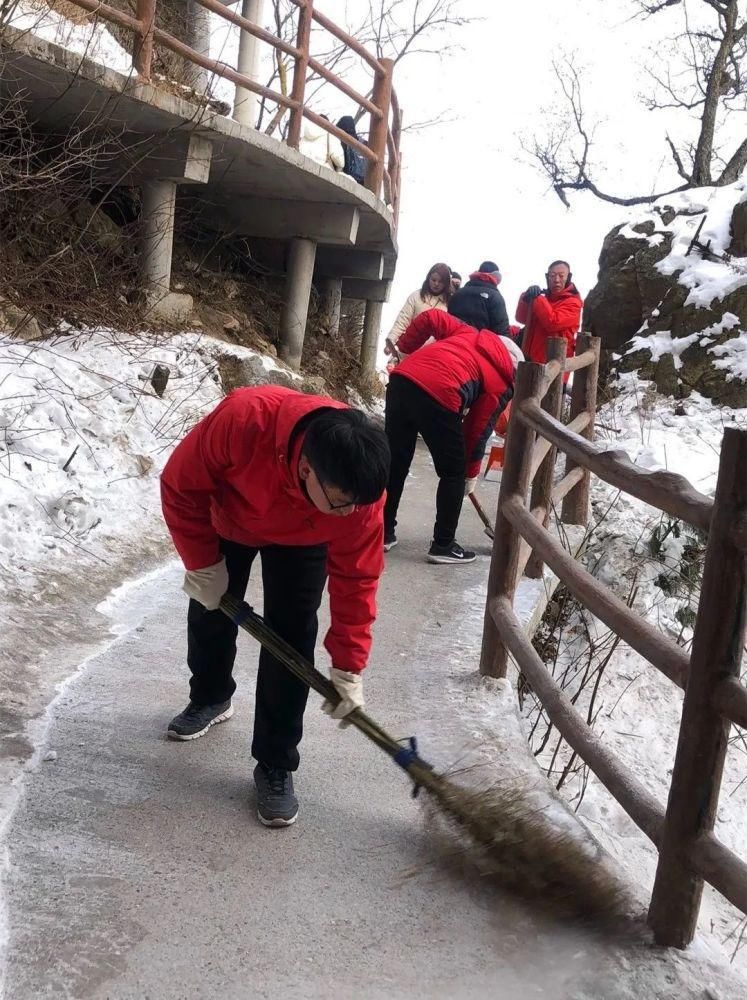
233	178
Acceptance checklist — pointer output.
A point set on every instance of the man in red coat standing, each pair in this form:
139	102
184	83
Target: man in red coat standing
299	480
554	312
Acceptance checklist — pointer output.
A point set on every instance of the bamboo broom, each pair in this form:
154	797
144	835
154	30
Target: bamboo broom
517	841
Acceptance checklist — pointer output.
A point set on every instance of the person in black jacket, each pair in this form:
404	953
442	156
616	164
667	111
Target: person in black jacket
479	303
355	164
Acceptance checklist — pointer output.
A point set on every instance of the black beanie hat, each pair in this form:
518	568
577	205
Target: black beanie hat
488	267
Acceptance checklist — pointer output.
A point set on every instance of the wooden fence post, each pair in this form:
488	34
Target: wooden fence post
298	90
716	654
514	482
583	398
142	55
543	481
378	128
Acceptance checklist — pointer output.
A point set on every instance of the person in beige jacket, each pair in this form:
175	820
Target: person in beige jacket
433	294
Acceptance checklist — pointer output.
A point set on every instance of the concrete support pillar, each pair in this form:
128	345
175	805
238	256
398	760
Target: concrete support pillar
157	234
245	102
301	258
371	331
198	37
157	221
331	292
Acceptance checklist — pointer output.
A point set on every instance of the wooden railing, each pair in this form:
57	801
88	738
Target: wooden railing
382	106
689	852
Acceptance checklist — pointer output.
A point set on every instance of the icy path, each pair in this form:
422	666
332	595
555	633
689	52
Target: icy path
138	869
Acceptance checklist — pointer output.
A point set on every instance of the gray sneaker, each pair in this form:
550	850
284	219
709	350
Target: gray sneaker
195	720
276	803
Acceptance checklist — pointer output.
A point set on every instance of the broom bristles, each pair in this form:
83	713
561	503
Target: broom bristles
526	849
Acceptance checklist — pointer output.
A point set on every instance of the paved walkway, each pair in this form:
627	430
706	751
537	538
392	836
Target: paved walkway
138	869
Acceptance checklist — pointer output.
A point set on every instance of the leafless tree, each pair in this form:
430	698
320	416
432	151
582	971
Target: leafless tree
706	78
392	29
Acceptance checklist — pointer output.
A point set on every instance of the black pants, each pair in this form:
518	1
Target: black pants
293	579
410	410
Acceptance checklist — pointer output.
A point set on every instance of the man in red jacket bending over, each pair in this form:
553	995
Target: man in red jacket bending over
300	480
555	312
428	393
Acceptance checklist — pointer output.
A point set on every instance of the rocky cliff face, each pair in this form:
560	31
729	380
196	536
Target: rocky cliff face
671	297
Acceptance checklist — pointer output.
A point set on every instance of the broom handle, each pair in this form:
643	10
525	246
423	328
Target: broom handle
479	508
245	617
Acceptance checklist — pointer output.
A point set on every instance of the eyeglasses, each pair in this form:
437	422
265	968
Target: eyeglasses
334	506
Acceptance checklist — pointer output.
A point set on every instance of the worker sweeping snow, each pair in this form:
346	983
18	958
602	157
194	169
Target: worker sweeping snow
298	479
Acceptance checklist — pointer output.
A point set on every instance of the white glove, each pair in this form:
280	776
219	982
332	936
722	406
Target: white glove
350	689
207	585
469	486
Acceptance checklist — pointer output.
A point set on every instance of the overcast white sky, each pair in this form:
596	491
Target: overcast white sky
469	191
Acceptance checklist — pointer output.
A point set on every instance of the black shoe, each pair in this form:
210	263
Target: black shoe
453	553
195	720
276	803
390	540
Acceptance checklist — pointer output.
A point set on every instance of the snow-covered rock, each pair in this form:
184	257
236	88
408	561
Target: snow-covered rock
672	294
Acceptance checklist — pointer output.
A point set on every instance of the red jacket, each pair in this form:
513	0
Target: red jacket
232	477
464	369
558	315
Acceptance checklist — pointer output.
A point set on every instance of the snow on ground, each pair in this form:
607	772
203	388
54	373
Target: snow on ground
89	37
646	557
85	437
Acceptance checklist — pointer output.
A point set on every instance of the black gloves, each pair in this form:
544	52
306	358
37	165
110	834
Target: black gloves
533	292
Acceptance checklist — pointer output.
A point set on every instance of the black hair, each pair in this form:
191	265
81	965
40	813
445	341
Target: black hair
456	274
347	124
346	449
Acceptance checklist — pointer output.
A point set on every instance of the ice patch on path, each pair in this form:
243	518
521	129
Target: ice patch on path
127	605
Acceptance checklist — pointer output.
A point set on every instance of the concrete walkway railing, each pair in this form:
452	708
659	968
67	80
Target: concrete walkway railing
382	106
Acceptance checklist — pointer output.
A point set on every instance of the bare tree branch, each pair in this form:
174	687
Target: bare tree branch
704	75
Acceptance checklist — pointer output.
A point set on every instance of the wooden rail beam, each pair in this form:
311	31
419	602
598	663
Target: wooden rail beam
552	403
664	654
730	699
222	69
634	797
718	644
583	400
342	136
343	36
504	563
666	490
330	77
298	89
142	55
722	868
583	360
222	10
544	444
379	125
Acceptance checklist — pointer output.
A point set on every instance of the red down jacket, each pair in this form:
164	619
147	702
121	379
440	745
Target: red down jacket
464	369
558	315
232	477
